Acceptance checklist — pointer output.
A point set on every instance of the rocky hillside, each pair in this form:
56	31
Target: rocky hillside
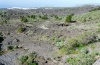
47	37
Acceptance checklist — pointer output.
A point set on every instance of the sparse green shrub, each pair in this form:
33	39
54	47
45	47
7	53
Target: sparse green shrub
59	44
68	18
0	33
82	59
29	59
32	63
57	17
1	37
95	9
44	17
21	29
23	59
84	51
24	19
1	23
1	52
98	29
33	16
16	47
5	21
10	47
78	41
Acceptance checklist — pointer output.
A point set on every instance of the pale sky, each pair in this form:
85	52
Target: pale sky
45	3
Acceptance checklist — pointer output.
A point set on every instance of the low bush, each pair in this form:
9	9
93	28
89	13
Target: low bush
88	16
68	18
1	23
44	17
23	19
23	59
78	41
95	9
1	37
33	16
98	30
28	59
83	59
21	29
10	47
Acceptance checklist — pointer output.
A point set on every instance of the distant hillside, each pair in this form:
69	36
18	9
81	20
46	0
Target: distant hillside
89	16
61	11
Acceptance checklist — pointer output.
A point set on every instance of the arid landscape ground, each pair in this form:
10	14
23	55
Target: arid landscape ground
47	36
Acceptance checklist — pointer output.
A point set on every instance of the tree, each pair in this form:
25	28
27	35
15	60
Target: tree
69	18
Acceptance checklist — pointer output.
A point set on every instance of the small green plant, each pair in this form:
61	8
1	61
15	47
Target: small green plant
98	29
32	63
24	19
21	29
1	52
10	47
59	44
0	33
28	59
1	37
1	23
33	16
68	18
23	59
44	17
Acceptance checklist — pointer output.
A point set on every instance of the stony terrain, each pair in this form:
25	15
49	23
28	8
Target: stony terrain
47	37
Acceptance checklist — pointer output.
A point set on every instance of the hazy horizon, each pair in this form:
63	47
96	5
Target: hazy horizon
45	3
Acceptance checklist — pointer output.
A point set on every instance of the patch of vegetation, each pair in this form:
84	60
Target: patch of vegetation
1	23
95	9
44	17
89	16
23	59
78	41
33	16
23	19
68	18
59	42
98	30
1	37
28	59
83	58
21	29
57	17
10	47
1	34
1	52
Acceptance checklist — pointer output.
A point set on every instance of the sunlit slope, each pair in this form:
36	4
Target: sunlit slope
89	16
